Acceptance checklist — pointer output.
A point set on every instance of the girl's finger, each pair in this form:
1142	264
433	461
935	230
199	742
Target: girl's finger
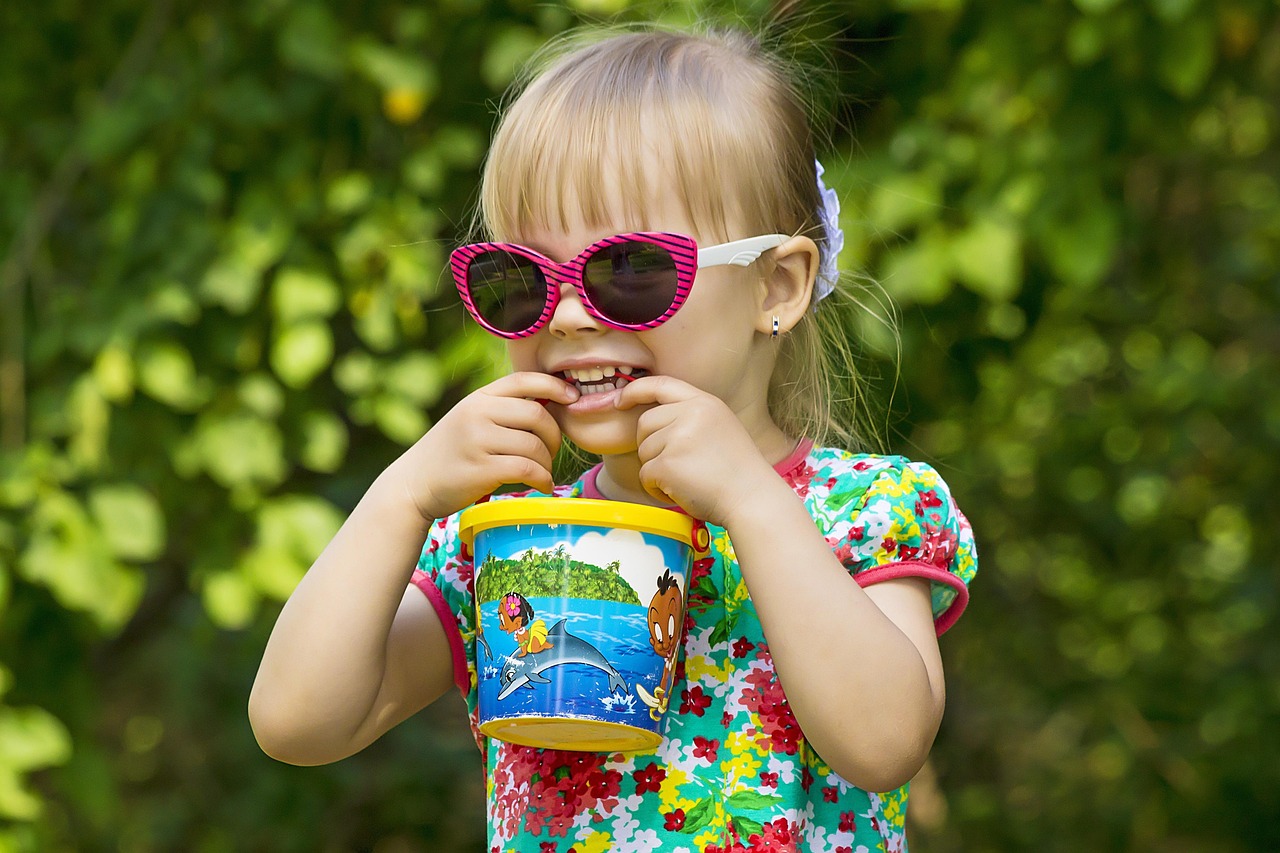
522	443
534	386
521	470
651	390
529	416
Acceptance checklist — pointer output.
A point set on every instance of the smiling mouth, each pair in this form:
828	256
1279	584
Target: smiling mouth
597	380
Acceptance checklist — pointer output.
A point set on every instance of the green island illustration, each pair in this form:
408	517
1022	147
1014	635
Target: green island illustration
543	574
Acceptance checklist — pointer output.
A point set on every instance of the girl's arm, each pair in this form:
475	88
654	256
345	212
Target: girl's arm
861	668
356	650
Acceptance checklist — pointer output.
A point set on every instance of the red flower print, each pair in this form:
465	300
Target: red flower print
858	532
741	646
830	794
765	698
726	719
888	545
675	820
768	780
844	850
649	779
799	478
847	822
695	701
704	748
547	847
775	837
548	789
806	779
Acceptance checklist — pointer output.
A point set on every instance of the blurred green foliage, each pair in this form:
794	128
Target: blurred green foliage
220	227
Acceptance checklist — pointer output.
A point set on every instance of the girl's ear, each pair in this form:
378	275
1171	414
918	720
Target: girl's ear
788	289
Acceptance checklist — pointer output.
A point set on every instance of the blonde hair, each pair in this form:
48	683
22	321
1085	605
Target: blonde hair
740	147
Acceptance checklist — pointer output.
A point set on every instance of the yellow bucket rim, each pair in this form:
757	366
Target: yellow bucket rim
599	735
588	511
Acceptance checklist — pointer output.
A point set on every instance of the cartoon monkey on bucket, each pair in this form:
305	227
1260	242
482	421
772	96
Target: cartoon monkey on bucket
666	622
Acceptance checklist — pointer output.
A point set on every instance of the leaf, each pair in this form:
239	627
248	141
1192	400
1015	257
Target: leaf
1081	242
303	294
240	449
987	257
299	526
399	420
417	377
506	52
324	442
30	738
752	800
300	352
311	40
272	571
232	283
720	635
113	372
167	372
392	69
130	519
229	599
68	554
745	826
698	817
1187	56
919	272
901	201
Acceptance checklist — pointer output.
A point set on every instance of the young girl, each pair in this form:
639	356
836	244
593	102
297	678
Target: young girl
667	245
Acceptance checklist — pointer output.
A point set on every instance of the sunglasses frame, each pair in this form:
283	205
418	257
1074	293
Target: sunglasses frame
682	248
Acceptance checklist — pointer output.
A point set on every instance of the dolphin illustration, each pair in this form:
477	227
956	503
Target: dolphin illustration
517	672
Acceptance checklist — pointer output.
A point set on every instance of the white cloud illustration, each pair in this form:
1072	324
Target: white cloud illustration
641	563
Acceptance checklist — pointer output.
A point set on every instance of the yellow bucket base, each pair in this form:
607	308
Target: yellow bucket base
568	733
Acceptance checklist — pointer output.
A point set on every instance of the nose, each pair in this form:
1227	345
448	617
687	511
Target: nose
570	316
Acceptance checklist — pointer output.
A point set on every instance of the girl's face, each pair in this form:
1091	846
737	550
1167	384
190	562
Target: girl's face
712	342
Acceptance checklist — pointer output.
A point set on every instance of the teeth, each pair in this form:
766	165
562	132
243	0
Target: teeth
596	380
595	374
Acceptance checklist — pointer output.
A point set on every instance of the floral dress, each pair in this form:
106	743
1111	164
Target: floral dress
734	771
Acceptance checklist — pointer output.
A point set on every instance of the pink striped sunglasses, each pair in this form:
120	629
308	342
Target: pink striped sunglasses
630	281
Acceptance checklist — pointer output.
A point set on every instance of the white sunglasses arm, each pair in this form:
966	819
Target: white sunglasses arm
739	253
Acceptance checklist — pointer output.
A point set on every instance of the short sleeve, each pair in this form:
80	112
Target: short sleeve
906	524
444	576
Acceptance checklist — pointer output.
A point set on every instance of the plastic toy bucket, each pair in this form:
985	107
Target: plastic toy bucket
580	615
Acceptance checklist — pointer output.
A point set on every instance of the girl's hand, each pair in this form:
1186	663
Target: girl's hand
694	452
498	435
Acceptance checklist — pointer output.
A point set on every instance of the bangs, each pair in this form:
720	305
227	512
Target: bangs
593	141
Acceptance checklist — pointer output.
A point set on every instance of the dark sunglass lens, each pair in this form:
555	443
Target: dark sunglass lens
632	283
508	291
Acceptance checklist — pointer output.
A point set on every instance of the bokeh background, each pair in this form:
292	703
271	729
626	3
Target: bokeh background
222	312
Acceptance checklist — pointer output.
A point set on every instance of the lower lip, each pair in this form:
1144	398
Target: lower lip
592	403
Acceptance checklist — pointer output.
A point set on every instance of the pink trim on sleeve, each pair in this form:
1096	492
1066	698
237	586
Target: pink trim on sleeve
461	678
928	571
